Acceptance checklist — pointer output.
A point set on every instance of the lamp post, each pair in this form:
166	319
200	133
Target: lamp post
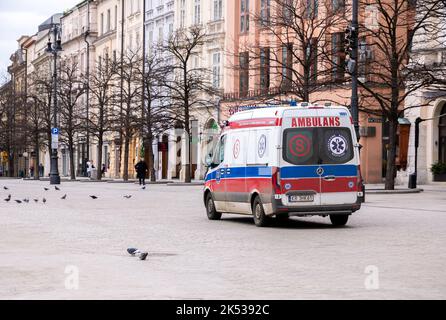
54	48
354	57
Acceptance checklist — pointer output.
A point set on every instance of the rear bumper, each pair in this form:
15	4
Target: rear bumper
279	208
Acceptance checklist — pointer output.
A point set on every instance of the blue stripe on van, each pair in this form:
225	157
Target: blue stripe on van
286	172
310	171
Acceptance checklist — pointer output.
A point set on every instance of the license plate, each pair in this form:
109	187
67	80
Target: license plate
302	198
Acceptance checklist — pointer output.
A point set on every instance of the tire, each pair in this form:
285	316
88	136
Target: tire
339	219
260	218
210	208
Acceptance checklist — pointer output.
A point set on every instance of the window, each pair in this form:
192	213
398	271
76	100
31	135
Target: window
338	5
264	68
312	9
311	55
216	69
116	18
108	20
338	56
288	11
287	66
160	34
218	10
197	12
244	73
102	23
265	12
150	41
170	29
183	13
309	146
219	155
244	16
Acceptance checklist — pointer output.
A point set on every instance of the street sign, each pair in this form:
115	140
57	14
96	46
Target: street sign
54	138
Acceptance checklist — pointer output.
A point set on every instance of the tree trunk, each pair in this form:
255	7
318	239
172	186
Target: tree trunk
99	159
126	157
37	158
391	155
150	159
72	171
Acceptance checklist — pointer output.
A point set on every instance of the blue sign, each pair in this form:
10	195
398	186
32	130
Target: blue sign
55	131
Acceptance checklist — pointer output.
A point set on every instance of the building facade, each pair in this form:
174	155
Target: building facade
429	104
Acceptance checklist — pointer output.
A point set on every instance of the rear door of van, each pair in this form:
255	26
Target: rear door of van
340	160
320	163
299	170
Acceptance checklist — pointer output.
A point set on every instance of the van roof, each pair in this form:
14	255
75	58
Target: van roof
277	111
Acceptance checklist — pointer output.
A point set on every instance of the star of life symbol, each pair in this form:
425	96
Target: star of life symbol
262	146
337	145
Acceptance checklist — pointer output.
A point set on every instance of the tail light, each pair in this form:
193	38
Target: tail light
276	180
359	179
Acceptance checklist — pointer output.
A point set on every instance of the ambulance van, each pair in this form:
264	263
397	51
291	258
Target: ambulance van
285	161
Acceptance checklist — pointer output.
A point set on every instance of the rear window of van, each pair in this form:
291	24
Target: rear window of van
307	146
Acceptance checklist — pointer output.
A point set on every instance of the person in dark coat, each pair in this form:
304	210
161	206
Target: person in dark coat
141	170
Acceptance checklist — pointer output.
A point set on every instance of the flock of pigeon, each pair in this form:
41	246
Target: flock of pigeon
132	251
64	197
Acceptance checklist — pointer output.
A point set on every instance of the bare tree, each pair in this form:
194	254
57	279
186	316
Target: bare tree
295	54
7	124
35	129
70	90
389	79
188	85
131	102
43	91
155	116
103	114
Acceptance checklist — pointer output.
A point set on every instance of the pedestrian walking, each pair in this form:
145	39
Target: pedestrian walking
41	170
89	167
141	170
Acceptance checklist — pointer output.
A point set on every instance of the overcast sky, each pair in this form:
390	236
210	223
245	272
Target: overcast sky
22	17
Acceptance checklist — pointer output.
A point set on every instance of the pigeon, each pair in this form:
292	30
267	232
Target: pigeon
56	188
26	200
36	200
93	197
46	189
6	188
64	197
44	200
18	201
144	188
8	199
128	197
143	256
137	252
132	251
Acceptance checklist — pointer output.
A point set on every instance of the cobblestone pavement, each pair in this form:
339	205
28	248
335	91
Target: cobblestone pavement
393	248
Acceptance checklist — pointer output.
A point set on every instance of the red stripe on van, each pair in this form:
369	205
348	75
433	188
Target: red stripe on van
252	123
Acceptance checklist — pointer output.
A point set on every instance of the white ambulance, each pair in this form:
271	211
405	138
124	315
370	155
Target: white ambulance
286	160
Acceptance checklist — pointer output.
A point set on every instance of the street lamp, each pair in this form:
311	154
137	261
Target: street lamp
54	48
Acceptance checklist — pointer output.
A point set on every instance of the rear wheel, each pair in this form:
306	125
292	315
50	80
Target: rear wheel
210	208
260	218
339	219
